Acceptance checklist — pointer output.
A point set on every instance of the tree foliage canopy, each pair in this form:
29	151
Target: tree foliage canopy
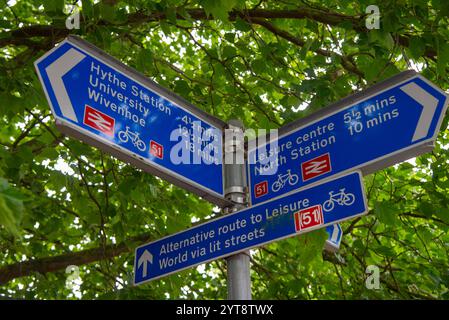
265	62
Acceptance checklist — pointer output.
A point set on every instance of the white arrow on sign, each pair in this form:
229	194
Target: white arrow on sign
335	233
429	104
55	72
143	260
332	244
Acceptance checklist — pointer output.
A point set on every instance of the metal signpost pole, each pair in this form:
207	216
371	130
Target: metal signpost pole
238	266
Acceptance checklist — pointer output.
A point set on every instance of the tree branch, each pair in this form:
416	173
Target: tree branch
345	61
57	263
23	35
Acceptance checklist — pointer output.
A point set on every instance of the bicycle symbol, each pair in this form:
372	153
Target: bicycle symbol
292	179
124	136
341	198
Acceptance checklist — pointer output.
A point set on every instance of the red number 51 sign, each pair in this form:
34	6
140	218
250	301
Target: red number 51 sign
309	217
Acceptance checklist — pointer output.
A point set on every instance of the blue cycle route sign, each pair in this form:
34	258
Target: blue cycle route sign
309	209
100	100
386	124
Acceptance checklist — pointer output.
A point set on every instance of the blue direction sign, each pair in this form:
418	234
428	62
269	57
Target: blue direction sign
386	124
335	234
96	98
286	216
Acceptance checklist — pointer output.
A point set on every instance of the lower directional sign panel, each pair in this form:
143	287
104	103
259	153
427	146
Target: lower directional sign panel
305	210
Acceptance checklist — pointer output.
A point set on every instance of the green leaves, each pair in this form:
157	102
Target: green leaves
443	57
311	246
11	208
107	12
442	6
242	25
442	213
426	208
182	88
88	10
417	47
218	9
229	52
386	213
53	7
145	60
381	38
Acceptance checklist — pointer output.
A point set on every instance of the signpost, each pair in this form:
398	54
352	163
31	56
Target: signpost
287	216
335	234
96	98
388	123
307	183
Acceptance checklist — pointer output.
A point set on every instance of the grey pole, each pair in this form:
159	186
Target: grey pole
238	266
